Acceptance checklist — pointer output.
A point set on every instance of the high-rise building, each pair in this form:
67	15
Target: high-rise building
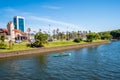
19	23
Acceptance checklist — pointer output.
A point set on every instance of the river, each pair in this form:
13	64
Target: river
93	63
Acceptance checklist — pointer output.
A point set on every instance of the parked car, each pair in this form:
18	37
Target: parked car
50	40
32	40
18	41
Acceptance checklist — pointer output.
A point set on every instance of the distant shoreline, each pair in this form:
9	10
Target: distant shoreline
49	50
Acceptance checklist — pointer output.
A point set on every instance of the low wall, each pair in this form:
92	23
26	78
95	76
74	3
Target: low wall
47	50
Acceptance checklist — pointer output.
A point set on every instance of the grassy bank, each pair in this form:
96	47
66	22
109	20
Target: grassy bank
61	43
22	46
16	47
64	43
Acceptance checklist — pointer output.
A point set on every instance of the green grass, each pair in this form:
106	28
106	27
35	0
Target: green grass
22	46
59	43
64	43
99	40
17	46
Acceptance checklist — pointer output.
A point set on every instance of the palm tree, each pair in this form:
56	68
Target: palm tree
54	34
29	30
57	31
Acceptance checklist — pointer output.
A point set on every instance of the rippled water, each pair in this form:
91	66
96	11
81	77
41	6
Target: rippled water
93	63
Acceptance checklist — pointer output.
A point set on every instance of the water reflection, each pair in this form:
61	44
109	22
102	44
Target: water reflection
93	63
42	61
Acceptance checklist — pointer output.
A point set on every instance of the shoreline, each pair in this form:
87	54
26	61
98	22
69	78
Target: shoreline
49	50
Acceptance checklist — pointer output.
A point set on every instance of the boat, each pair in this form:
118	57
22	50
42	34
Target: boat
62	54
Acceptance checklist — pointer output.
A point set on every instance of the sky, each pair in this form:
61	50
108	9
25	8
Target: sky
72	15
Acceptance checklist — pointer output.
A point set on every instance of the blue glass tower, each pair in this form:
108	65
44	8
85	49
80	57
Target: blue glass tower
19	23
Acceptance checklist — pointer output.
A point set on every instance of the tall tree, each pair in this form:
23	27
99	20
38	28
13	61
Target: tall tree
57	31
115	34
29	30
92	36
41	39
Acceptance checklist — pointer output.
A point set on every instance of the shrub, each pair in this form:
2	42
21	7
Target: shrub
28	45
35	44
77	40
2	45
89	40
11	44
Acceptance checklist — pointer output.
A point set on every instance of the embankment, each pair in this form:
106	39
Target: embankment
48	50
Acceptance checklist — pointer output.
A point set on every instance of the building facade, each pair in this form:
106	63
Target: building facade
10	27
19	23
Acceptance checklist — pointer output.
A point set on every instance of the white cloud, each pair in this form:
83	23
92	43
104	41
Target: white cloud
15	12
33	20
55	22
51	7
8	9
2	25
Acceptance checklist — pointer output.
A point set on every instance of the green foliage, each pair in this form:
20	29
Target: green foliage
39	43
89	40
115	34
2	45
62	36
41	39
105	35
29	29
11	44
2	38
77	40
92	36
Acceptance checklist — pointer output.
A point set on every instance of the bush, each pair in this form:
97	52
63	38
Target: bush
11	44
35	44
2	45
89	40
28	45
77	40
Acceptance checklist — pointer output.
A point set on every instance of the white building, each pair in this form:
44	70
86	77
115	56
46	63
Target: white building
10	27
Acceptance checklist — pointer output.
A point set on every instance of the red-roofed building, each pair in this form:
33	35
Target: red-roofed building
19	34
4	31
11	33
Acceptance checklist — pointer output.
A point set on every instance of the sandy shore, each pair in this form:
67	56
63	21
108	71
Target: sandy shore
48	50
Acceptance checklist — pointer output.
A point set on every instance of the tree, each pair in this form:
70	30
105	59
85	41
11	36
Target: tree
54	35
92	36
28	30
2	38
11	44
79	33
41	39
105	35
57	31
2	45
97	36
115	34
77	40
62	35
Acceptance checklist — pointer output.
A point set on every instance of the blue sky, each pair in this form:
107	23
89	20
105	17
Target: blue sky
94	15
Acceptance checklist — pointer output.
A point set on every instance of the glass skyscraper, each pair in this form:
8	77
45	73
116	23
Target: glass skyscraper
19	23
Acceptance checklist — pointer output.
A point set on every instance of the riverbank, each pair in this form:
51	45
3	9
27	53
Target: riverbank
49	50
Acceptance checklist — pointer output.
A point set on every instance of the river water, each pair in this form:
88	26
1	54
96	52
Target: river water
93	63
